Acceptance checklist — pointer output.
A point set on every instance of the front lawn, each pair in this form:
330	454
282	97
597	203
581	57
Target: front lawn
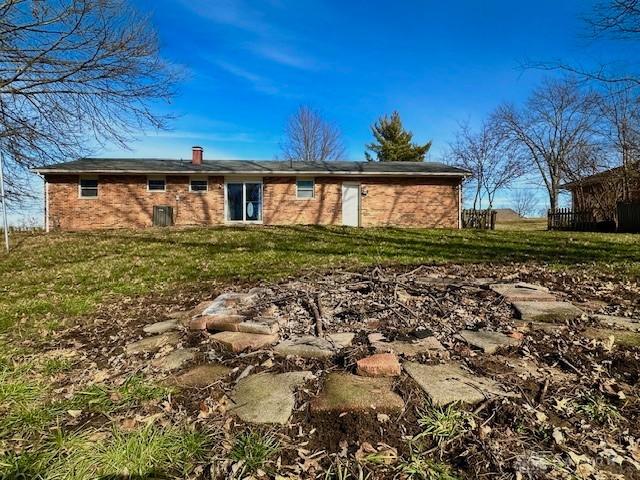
49	278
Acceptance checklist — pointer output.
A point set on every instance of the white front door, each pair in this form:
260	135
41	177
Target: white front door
351	204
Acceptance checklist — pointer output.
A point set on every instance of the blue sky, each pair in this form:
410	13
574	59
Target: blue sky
249	64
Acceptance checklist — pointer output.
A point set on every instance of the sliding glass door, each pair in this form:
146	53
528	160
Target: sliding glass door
244	201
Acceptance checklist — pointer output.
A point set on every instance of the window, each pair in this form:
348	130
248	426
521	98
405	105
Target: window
243	201
198	184
304	188
156	184
88	187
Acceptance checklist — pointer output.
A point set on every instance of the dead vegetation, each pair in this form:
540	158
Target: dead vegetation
576	412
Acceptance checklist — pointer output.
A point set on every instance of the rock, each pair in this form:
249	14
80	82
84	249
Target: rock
174	360
267	397
488	342
526	327
523	292
151	344
448	383
240	341
161	327
620	337
198	323
547	311
229	301
342	340
263	328
379	365
350	393
202	375
306	346
429	346
223	321
619	322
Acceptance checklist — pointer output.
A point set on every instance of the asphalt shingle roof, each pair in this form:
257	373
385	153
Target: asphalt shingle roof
265	167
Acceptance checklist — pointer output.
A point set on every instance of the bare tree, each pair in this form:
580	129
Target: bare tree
74	74
489	158
610	20
620	128
310	138
553	131
524	202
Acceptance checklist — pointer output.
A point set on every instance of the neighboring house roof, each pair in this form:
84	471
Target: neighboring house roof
261	167
594	179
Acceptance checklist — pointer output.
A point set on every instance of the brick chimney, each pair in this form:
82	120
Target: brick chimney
196	156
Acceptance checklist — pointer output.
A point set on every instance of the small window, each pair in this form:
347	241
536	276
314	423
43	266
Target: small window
305	188
88	187
157	184
198	185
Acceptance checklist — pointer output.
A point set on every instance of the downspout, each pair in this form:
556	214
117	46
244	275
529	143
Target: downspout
46	205
460	205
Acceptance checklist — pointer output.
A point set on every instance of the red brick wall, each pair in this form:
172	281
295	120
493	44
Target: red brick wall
411	202
124	202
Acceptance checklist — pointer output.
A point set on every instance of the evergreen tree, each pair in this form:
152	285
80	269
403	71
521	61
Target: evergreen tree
394	142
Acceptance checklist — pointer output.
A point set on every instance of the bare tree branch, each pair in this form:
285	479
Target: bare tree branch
75	75
310	138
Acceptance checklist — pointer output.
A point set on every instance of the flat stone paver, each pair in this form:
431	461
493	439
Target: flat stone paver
343	392
547	311
240	341
343	339
624	338
306	346
267	397
263	328
522	326
153	343
619	322
379	365
448	383
176	359
429	346
202	375
162	327
488	342
523	292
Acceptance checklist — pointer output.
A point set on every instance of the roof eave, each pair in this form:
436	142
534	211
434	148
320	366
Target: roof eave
251	172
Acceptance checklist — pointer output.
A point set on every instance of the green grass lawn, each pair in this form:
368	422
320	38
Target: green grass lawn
46	278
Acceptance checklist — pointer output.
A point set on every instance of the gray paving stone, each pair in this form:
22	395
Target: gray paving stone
162	327
619	322
448	383
547	311
153	343
488	342
175	360
267	397
343	339
306	346
429	346
523	292
343	392
202	375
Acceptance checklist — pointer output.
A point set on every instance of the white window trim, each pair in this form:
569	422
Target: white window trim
228	180
88	177
199	177
157	177
313	188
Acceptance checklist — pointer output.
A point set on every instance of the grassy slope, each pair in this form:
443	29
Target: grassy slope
48	277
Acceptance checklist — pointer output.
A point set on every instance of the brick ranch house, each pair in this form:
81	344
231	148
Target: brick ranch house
95	193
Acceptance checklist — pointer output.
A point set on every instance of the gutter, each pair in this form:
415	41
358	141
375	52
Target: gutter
44	171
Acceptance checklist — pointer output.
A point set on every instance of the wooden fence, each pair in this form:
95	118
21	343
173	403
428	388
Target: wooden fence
628	217
567	219
480	219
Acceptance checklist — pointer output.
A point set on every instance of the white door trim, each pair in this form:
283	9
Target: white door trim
243	181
